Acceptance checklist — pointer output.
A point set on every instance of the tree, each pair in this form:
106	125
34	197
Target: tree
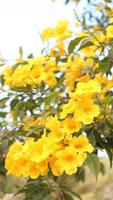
56	108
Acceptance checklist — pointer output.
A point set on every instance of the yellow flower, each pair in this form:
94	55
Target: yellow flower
99	8
68	108
62	31
21	72
37	70
30	122
32	158
47	34
85	111
8	74
108	86
97	28
89	51
40	150
90	87
56	134
50	79
66	160
84	78
70	126
72	69
109	31
58	50
81	144
99	37
38	169
20	164
29	159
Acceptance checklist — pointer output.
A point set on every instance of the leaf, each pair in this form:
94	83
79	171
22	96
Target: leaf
102	168
93	164
109	1
3	102
2	80
67	189
21	51
81	175
91	138
15	66
67	1
105	65
67	196
64	60
4	144
108	100
85	43
51	96
74	43
110	156
21	89
30	56
3	114
17	109
13	103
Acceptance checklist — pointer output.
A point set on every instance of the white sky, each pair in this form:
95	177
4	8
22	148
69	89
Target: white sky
22	20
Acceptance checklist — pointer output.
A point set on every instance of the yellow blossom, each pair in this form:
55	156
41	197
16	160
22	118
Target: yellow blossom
47	34
90	87
85	111
81	144
109	31
71	126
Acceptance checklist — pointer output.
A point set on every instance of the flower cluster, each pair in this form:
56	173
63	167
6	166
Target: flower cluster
81	103
80	86
60	32
34	158
33	72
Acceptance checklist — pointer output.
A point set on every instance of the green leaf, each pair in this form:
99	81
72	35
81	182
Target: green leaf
15	66
51	96
110	156
3	102
2	80
4	144
108	100
30	56
67	1
91	138
13	103
20	52
85	43
17	109
21	89
3	114
74	43
105	65
109	1
102	168
81	175
67	196
93	164
67	189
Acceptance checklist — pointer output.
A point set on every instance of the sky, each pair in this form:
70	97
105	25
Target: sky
21	22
